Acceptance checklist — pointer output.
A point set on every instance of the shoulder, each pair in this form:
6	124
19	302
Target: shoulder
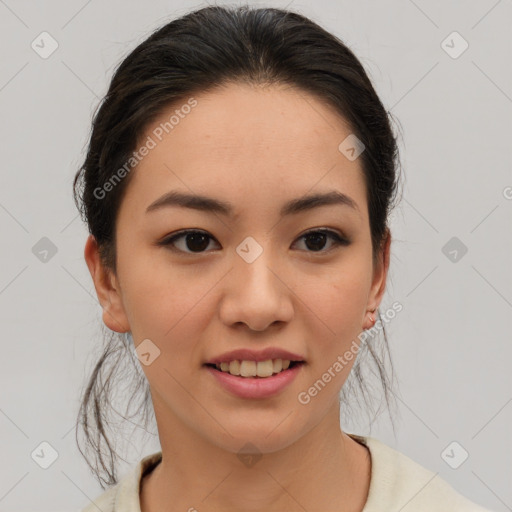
125	495
104	502
398	482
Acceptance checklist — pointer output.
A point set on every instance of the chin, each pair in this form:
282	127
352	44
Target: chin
256	433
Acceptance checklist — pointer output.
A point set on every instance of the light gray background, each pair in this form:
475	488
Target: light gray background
451	344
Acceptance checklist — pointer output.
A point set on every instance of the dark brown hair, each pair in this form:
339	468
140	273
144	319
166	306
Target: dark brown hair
195	53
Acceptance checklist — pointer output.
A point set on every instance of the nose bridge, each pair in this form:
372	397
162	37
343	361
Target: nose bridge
254	268
255	295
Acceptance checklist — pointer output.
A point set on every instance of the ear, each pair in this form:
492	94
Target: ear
107	289
380	273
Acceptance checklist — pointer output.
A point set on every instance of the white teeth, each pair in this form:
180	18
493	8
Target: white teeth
265	368
234	367
248	368
253	368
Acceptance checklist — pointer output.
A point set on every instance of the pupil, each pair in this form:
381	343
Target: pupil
318	238
197	241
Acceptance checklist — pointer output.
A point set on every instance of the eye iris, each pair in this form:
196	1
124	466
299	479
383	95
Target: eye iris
318	238
196	241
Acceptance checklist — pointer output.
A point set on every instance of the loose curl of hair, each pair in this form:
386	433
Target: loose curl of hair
195	53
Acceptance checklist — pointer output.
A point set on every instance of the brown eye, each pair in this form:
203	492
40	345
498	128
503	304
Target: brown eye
317	239
193	241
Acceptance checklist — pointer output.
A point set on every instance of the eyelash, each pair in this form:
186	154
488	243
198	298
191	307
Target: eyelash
337	239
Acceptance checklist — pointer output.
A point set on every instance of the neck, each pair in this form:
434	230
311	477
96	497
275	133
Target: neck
323	470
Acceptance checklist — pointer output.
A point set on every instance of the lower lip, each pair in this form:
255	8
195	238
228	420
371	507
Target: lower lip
256	387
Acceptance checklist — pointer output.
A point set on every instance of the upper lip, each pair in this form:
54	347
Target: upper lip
245	354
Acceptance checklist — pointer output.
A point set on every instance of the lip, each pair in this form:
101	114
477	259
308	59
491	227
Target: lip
255	387
246	354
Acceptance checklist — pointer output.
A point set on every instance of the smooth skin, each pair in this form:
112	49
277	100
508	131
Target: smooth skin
256	148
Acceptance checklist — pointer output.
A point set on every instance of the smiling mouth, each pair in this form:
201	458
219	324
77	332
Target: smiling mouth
255	370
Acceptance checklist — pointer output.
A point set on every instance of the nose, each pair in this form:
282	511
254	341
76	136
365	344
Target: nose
257	294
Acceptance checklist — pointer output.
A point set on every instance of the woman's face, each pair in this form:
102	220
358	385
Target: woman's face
254	280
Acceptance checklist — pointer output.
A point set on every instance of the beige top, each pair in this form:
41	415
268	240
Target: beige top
397	483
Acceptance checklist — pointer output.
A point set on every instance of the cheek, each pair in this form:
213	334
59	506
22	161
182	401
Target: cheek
167	305
338	300
338	308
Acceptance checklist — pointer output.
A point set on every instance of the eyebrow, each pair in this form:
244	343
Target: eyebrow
209	204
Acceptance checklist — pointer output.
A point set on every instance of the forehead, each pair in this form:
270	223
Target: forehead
240	141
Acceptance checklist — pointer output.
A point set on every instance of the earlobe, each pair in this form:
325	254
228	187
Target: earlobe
107	291
370	319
